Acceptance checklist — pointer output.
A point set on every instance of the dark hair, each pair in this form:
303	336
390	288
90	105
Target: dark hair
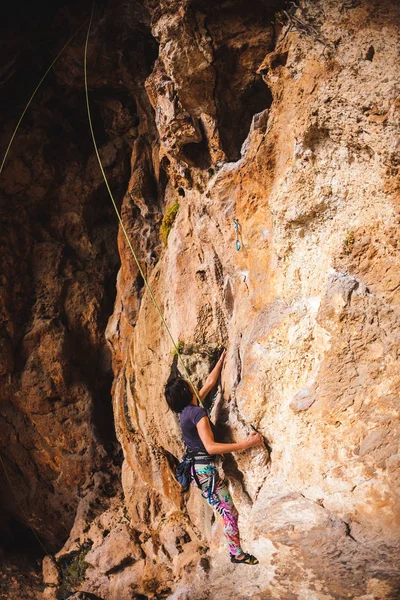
178	394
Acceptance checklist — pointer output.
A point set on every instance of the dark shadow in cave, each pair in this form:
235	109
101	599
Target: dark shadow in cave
240	92
198	153
58	118
103	415
18	540
255	99
130	24
62	114
280	60
163	177
28	49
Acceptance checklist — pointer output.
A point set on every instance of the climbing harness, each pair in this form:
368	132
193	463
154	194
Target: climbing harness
236	224
185	469
119	216
212	480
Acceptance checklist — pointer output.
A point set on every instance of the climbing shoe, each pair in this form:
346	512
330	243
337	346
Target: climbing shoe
248	559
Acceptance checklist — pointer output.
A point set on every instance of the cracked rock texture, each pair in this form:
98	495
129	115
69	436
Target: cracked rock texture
285	118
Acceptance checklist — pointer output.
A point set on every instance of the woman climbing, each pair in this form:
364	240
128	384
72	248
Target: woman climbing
198	434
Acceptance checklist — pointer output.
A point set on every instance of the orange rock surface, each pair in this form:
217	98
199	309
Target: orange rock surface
285	118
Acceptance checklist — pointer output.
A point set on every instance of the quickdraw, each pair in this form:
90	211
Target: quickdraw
237	244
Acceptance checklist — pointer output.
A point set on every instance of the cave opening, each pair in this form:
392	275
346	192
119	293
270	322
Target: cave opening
254	99
239	48
198	153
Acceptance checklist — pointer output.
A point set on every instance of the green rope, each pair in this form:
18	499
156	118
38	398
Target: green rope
34	93
120	219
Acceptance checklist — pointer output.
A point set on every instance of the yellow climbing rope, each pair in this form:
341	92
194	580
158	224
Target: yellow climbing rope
118	215
1	169
34	93
105	179
120	219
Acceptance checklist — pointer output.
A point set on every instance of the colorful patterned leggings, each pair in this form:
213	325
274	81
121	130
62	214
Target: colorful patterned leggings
220	500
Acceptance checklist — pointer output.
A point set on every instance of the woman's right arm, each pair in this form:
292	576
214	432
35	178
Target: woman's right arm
213	447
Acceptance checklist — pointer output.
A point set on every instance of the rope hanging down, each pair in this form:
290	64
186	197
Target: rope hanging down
34	93
120	219
1	169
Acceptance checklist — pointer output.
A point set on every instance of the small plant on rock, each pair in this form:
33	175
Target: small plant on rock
168	221
180	345
73	569
348	242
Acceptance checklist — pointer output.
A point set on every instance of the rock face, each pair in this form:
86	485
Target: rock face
308	308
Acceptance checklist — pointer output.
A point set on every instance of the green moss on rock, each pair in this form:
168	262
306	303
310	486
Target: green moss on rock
73	568
168	221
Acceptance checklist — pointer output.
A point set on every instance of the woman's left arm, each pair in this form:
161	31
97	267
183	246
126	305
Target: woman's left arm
213	377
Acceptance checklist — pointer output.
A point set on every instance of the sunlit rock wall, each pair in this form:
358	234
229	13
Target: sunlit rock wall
308	308
287	119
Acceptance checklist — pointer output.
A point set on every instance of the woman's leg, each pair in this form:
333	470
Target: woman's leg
219	498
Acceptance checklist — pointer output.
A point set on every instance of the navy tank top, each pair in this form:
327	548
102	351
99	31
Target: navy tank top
189	418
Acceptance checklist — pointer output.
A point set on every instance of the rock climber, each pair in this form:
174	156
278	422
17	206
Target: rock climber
198	434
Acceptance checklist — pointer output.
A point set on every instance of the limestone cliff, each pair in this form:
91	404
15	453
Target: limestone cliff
284	117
